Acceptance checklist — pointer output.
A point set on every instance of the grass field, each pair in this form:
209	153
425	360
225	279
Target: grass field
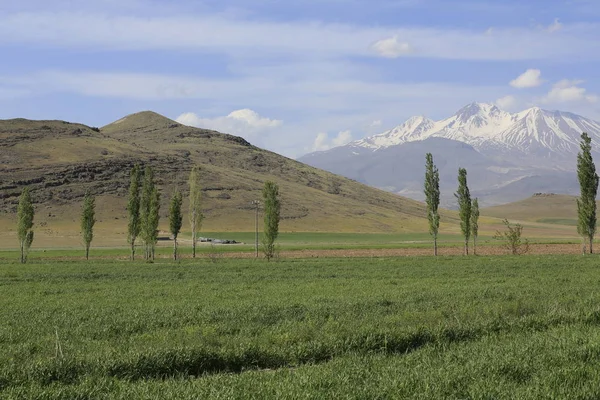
448	327
286	242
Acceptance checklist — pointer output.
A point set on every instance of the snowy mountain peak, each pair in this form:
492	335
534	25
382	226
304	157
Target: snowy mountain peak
413	127
490	130
476	109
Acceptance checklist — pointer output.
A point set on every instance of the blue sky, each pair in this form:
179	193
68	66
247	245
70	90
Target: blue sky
295	75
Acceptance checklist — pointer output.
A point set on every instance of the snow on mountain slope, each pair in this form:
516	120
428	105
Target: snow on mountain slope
492	131
416	128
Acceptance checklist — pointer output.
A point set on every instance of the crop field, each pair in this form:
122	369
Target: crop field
359	328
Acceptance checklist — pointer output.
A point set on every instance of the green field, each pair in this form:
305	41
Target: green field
287	241
448	327
558	221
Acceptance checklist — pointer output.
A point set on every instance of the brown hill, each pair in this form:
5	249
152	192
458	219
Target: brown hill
541	207
59	161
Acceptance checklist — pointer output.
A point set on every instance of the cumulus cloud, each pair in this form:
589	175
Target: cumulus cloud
507	102
323	142
392	48
555	26
528	79
243	122
566	91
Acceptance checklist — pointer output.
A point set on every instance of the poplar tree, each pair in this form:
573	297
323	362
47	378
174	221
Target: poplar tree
175	219
195	201
432	198
88	219
153	221
272	210
464	207
588	182
25	214
145	219
133	208
475	223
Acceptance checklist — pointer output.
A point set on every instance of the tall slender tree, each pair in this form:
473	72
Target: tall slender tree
432	198
175	219
588	183
25	214
195	201
475	223
272	210
464	207
88	219
145	218
153	221
133	208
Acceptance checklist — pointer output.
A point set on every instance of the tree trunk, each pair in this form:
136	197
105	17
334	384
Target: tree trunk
22	253
591	244
466	247
175	248
87	252
435	245
474	245
194	243
132	250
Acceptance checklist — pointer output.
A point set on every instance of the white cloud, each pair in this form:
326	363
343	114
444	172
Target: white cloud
376	124
528	79
507	102
342	138
9	93
392	48
223	33
566	91
555	26
325	94
309	102
323	142
243	122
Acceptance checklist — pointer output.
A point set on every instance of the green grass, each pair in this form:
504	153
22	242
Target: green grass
287	241
558	221
451	327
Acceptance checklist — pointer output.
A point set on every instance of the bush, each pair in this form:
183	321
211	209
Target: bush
511	238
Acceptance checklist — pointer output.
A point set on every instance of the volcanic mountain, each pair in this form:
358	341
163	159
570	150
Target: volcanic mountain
508	156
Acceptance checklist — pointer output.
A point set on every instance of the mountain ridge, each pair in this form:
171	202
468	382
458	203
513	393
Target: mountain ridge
534	132
517	154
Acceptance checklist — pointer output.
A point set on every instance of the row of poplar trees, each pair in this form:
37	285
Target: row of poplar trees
26	214
468	209
143	207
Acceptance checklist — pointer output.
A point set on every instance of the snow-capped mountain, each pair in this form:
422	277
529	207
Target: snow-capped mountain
494	132
508	156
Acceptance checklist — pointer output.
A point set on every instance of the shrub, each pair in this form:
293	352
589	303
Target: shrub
511	238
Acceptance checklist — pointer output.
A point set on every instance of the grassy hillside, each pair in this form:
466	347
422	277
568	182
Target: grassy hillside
548	208
554	214
61	160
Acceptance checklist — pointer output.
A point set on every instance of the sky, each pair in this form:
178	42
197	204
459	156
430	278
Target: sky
295	76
